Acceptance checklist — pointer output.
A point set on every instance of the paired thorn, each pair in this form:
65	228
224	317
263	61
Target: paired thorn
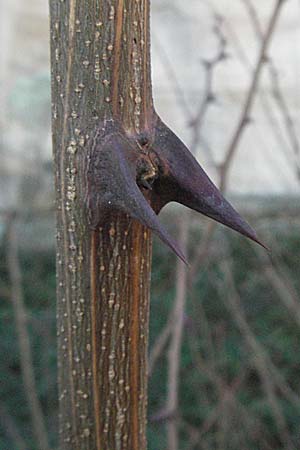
118	166
111	183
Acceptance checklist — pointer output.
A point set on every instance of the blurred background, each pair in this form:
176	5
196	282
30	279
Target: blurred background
224	351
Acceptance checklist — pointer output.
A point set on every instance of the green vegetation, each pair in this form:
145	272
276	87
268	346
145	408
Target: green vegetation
216	355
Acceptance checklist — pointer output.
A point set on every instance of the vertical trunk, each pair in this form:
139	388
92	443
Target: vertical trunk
108	141
100	69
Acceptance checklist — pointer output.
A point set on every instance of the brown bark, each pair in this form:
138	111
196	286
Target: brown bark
100	69
114	159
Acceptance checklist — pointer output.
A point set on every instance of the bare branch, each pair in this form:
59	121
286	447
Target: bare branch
208	97
264	100
176	342
160	345
12	430
276	89
243	120
283	287
246	110
261	360
227	394
26	361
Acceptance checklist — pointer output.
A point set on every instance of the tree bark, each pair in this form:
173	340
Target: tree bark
114	160
100	70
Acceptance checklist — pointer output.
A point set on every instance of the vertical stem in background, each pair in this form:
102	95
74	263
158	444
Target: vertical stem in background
11	430
247	106
100	64
30	389
174	352
233	145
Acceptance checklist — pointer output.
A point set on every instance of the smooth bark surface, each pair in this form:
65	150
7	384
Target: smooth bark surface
100	69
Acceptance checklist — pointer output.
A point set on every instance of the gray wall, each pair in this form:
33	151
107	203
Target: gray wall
183	36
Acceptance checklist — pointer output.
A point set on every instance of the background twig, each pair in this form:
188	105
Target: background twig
26	361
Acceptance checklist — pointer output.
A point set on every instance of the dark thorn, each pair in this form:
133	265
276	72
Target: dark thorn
183	180
111	182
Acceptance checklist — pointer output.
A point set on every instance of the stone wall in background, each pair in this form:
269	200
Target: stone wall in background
184	35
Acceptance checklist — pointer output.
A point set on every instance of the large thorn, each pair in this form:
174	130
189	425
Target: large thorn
184	181
111	182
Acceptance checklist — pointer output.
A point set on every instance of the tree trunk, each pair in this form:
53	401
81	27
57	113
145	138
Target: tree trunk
115	162
100	69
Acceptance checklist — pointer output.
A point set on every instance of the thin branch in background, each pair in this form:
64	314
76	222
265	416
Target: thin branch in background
232	302
11	429
203	252
181	276
227	393
285	291
243	120
264	100
159	345
246	110
197	124
282	285
279	379
240	127
196	120
26	361
5	293
208	98
174	351
177	315
276	89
